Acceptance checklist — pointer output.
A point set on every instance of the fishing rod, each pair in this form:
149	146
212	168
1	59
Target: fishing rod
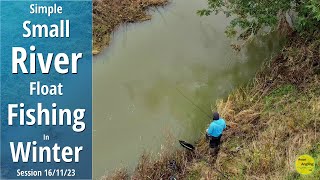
192	102
191	147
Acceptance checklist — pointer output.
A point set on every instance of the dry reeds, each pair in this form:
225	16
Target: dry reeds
109	14
274	120
270	123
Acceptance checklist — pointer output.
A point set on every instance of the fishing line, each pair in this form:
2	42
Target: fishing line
192	102
190	146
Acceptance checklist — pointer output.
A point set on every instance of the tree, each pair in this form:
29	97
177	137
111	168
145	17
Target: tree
253	15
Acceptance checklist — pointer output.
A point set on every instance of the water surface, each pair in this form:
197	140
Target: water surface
136	98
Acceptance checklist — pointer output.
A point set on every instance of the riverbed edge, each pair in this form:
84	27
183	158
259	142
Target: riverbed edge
272	120
108	15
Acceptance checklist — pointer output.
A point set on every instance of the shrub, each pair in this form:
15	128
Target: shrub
251	16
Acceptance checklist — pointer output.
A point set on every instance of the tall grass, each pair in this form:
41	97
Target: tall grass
271	121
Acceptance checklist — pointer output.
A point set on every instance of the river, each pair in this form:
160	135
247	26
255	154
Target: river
136	81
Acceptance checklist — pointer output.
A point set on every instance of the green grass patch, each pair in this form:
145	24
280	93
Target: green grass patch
278	98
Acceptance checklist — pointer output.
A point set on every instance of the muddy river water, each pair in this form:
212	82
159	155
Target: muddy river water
138	81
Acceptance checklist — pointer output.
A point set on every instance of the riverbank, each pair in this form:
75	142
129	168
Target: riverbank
272	120
109	14
139	76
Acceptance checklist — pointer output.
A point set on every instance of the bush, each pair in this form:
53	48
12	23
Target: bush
251	16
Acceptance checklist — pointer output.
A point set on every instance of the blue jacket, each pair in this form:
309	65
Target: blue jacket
216	127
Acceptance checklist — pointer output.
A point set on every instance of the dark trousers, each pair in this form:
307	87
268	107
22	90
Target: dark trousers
214	142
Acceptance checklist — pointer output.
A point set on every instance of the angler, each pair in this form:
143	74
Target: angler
215	130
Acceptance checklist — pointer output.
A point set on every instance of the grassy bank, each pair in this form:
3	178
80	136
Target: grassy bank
272	120
109	14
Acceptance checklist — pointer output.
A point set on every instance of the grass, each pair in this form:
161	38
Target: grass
272	121
275	118
109	14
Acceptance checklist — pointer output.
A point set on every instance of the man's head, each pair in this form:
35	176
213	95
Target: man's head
216	116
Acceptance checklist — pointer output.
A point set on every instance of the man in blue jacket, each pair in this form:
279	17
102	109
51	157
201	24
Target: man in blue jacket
215	130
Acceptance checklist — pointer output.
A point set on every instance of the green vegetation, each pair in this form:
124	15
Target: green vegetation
252	16
275	118
272	120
